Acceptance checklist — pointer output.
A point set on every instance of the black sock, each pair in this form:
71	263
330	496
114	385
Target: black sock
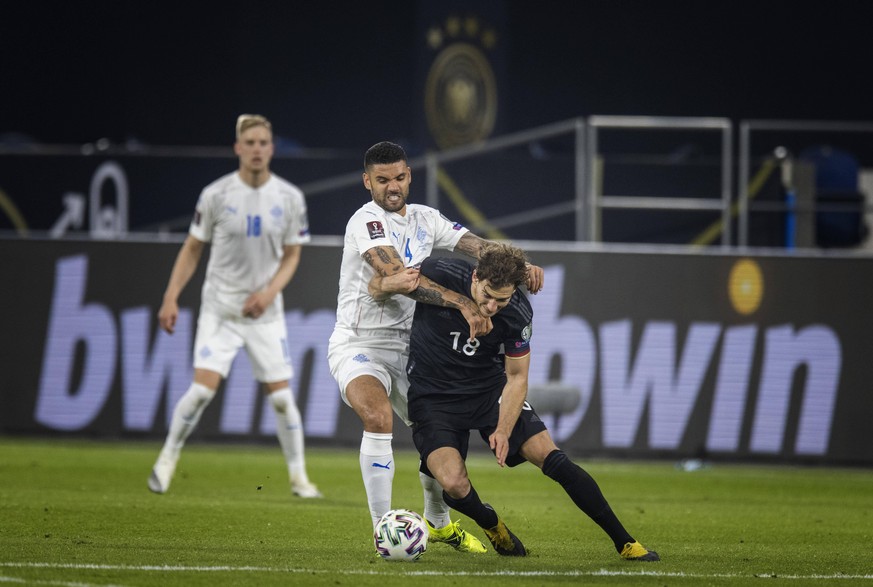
586	494
472	507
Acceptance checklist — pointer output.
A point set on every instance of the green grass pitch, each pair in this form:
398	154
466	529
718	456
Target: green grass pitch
78	513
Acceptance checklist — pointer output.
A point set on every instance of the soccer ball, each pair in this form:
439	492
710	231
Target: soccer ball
401	535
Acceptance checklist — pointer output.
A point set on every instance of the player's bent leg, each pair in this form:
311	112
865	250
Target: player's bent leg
289	430
586	494
439	524
186	414
504	542
436	511
368	397
377	470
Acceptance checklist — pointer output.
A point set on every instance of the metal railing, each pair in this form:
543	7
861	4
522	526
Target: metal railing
597	202
586	198
746	130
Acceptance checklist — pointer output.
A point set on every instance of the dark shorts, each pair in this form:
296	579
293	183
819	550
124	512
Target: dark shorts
441	423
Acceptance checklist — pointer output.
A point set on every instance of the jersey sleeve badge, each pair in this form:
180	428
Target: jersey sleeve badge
375	229
526	332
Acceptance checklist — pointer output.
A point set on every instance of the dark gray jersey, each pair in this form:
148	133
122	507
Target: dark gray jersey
442	358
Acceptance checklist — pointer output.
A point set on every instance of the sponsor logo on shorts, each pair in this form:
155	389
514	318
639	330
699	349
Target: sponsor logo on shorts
361	358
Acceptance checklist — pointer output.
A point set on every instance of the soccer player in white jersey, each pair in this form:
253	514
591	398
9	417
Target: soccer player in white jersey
385	241
256	223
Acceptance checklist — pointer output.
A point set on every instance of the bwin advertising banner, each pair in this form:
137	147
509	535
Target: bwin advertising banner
673	355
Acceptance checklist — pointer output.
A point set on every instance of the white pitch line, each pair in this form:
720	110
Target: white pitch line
417	573
20	581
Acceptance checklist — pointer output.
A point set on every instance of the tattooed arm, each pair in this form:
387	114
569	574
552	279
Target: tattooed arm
430	292
393	278
470	244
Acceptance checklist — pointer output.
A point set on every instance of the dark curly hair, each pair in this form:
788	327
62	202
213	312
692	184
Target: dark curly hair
501	265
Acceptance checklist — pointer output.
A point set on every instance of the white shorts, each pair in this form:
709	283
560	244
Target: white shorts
219	340
381	354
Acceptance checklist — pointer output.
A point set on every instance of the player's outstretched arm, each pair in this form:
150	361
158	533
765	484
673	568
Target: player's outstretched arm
430	292
392	277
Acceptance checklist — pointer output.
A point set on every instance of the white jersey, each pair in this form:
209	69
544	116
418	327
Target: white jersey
414	236
248	228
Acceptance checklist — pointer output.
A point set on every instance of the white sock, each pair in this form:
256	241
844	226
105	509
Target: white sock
436	511
186	414
377	469
289	429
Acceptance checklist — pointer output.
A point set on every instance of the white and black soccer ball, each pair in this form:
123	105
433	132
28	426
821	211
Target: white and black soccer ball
401	535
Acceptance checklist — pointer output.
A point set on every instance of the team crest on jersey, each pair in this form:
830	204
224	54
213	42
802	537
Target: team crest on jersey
376	230
361	358
276	212
526	332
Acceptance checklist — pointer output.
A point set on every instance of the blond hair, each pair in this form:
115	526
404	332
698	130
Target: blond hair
247	121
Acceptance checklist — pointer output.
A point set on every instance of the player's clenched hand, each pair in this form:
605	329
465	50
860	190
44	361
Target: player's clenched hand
405	282
499	443
256	304
535	278
167	316
382	287
479	324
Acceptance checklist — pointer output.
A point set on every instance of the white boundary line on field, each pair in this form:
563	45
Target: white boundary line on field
20	581
414	573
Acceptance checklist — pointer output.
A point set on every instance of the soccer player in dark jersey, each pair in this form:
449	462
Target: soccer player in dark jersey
458	384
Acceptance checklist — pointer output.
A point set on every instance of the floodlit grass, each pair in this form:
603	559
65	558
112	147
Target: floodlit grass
78	513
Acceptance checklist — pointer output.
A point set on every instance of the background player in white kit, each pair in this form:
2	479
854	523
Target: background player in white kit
385	241
256	223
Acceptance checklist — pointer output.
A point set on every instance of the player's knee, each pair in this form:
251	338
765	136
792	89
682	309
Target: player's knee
377	419
201	394
457	486
555	463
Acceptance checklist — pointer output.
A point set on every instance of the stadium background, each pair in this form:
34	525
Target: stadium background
343	75
114	80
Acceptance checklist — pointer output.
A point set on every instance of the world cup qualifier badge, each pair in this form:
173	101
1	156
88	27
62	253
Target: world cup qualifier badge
461	89
374	227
